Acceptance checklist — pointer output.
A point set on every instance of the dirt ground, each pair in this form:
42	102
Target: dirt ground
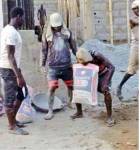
62	133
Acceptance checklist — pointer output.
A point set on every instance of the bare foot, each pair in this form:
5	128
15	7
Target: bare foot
49	116
77	115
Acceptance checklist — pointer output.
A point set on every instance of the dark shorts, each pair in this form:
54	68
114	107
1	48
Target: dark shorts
55	74
104	82
10	89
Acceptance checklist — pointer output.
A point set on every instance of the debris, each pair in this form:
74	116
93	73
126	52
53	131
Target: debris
125	131
131	144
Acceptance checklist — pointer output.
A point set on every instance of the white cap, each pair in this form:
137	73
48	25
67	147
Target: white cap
84	55
56	20
135	4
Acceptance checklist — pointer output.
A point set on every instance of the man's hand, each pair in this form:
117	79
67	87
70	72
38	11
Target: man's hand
43	69
133	24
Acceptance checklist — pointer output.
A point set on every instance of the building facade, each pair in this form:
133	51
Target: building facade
93	12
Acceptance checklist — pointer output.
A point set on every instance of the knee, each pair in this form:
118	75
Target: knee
52	90
70	88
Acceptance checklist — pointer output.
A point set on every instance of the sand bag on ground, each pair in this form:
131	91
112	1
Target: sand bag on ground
85	84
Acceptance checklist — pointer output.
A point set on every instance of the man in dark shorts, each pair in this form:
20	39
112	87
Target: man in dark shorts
56	51
106	70
11	75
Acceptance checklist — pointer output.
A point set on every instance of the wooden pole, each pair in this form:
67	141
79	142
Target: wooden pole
128	18
111	22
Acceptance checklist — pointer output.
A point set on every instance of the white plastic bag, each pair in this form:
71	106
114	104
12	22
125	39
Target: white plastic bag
85	84
26	113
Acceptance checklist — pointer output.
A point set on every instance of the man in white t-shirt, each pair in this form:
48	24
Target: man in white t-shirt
12	78
133	64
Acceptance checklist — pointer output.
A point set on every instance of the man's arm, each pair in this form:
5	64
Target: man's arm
72	44
133	24
38	14
12	60
44	51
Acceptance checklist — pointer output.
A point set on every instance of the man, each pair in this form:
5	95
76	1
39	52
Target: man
133	64
41	15
106	71
56	51
12	78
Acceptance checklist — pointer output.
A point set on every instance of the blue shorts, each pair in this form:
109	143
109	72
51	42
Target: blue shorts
66	74
11	91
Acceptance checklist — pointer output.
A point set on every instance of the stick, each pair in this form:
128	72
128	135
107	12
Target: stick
111	22
128	23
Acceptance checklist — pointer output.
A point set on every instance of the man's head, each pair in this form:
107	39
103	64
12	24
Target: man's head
16	15
41	6
135	7
83	56
56	22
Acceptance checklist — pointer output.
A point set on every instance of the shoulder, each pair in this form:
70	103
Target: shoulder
9	31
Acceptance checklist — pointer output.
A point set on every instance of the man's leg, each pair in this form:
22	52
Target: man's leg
133	66
108	102
119	88
51	94
9	99
79	113
70	90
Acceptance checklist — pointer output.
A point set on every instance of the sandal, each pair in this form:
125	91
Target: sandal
77	115
49	116
18	131
110	122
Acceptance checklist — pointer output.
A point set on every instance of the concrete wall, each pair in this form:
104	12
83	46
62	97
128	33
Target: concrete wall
1	15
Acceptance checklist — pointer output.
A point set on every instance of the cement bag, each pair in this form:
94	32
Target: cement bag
85	84
26	113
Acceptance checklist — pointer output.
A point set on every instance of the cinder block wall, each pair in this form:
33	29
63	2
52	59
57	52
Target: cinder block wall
101	19
100	11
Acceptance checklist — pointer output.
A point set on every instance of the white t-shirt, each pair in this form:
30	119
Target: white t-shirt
10	36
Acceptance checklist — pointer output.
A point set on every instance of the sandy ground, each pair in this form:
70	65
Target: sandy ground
62	133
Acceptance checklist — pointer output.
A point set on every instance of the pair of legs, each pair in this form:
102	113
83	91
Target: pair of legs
54	75
103	87
133	66
42	23
108	102
51	93
10	89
